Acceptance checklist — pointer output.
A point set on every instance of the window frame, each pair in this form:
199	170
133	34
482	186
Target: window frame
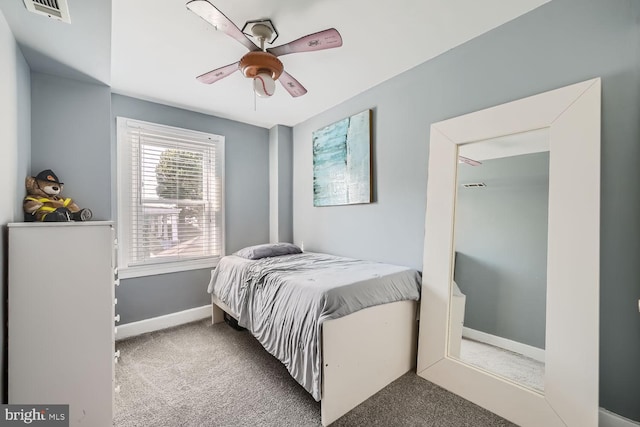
124	193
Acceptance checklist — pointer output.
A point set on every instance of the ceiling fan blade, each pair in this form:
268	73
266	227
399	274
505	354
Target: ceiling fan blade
213	16
326	39
218	74
291	85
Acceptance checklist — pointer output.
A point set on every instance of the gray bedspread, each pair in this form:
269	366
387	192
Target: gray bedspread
284	300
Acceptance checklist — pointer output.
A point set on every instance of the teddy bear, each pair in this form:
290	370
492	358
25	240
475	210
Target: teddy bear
44	203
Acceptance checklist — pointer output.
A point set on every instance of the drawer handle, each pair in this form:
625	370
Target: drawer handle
115	301
117	353
117	282
117	318
117	389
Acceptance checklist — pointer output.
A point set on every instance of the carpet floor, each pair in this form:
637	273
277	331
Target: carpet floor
212	375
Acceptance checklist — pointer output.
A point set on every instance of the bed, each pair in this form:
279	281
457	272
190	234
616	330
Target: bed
343	328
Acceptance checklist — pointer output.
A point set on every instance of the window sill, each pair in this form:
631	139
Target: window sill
164	268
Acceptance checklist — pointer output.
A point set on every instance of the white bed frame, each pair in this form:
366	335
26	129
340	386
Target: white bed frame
361	353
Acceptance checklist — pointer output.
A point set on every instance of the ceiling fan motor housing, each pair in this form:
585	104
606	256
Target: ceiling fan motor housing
254	63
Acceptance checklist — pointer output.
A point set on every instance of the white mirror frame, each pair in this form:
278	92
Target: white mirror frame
570	397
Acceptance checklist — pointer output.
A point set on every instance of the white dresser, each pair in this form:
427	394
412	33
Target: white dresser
61	318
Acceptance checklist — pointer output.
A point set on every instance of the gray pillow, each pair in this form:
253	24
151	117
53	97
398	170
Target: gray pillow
268	250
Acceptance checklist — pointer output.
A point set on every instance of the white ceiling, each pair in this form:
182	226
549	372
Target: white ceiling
157	48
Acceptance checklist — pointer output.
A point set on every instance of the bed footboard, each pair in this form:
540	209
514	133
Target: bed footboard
361	353
364	352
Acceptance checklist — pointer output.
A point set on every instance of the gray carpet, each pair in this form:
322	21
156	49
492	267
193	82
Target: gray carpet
204	375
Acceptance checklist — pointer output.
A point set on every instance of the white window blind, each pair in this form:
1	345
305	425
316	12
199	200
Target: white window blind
170	197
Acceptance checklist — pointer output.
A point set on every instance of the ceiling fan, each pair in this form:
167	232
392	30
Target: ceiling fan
260	64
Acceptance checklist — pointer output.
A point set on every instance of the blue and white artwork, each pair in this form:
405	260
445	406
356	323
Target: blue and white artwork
342	162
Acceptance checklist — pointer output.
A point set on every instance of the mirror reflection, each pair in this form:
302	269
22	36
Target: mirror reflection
498	301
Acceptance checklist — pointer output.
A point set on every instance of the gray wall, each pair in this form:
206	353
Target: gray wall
246	205
390	229
501	246
285	183
15	152
23	163
73	130
280	185
152	296
70	135
562	42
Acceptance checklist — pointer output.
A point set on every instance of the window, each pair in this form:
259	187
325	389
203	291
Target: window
170	198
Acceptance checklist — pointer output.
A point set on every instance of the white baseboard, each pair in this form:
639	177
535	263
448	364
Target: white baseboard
517	347
162	322
610	419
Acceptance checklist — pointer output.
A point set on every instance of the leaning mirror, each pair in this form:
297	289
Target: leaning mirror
498	296
514	265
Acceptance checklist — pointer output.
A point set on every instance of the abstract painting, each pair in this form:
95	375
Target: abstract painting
342	162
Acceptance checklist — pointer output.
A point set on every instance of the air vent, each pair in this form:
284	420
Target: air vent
474	185
55	9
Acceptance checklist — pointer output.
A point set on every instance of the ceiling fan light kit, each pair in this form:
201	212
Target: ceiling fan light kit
263	85
260	64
